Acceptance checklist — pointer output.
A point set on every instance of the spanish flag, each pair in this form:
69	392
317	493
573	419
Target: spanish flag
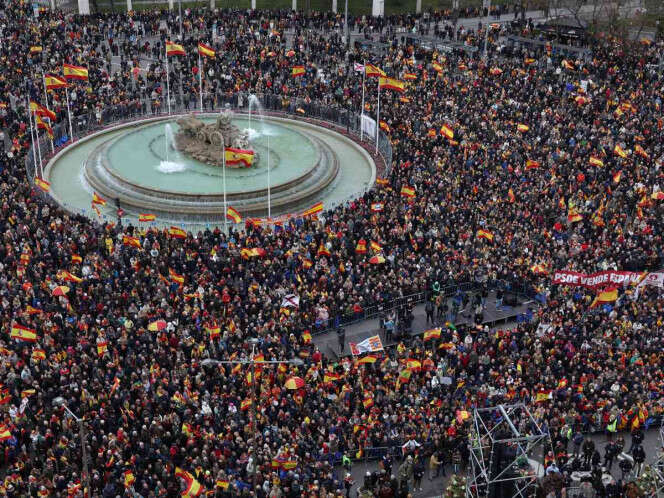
366	360
102	348
36	49
607	296
174	49
42	111
485	234
5	397
43	184
384	126
522	127
206	51
315	209
596	161
53	82
382	181
391	84
23	333
437	67
146	217
538	269
131	241
432	334
176	232
214	330
573	215
532	164
510	195
323	251
239	156
245	405
97	199
618	151
641	152
375	246
129	478
373	71
43	125
361	247
543	395
528	61
297	71
192	486
4	433
74	72
445	131
408	192
75	258
409	76
38	354
175	276
233	215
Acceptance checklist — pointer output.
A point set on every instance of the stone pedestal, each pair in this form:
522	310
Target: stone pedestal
378	8
84	7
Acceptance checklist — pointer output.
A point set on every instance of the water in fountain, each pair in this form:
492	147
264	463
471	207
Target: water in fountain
177	164
254	103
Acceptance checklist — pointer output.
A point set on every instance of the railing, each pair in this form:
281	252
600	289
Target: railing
339	119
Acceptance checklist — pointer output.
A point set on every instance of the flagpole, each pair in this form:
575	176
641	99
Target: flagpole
223	160
168	85
47	107
32	137
200	82
269	208
378	115
364	75
71	133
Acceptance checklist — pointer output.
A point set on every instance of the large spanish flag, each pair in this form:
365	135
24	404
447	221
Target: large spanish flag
297	71
23	333
206	51
144	218
391	84
53	82
42	111
239	156
607	296
233	215
174	49
72	72
374	71
192	486
315	209
178	233
446	131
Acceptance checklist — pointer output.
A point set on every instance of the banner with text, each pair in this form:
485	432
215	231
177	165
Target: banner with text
609	278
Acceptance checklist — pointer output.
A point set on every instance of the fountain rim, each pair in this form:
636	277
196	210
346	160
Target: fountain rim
53	160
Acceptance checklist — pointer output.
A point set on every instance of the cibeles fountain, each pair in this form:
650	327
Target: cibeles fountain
172	167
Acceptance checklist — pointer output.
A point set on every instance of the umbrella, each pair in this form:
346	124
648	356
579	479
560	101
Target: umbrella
376	260
294	383
60	290
158	325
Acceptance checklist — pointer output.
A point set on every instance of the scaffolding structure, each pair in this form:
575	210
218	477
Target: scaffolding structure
506	448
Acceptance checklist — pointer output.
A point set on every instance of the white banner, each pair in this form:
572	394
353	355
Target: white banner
370	345
369	126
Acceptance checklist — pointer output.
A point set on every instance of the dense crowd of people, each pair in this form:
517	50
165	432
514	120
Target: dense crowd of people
159	418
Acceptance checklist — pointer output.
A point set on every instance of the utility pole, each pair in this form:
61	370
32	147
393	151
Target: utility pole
486	27
346	30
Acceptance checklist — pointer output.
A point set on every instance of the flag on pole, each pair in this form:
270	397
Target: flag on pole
174	49
98	200
43	184
22	333
233	215
239	156
446	131
72	72
146	217
43	125
374	71
42	111
391	84
485	234
206	51
315	209
53	82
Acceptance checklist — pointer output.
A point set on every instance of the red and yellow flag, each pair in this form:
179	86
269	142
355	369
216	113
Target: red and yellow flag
146	217
432	334
233	215
596	161
174	49
239	156
72	72
206	51
606	296
176	277
22	333
408	192
485	234
297	71
131	241
532	164
315	209
373	71
43	125
43	184
618	151
176	232
54	82
385	83
98	200
446	131
42	111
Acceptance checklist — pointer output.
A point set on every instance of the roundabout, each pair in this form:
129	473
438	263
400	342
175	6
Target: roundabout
143	167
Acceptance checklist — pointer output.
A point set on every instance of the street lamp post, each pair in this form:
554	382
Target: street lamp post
85	478
254	342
